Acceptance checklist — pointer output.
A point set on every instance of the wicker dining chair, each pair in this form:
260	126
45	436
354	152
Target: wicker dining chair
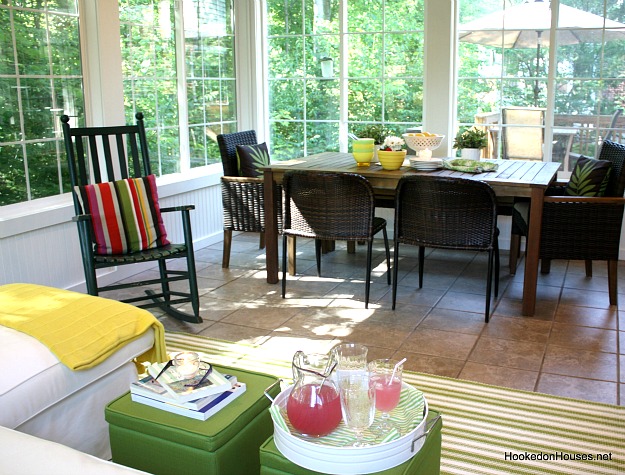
581	228
242	197
446	213
331	206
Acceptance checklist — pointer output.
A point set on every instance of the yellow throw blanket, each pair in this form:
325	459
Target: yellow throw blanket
81	330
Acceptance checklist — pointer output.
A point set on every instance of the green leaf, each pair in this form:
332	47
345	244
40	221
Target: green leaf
260	159
585	179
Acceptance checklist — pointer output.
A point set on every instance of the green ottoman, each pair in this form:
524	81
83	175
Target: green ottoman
164	443
426	462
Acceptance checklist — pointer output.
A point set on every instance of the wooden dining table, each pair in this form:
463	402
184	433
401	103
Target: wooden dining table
513	178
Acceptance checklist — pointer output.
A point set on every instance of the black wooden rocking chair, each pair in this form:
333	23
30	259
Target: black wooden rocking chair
113	164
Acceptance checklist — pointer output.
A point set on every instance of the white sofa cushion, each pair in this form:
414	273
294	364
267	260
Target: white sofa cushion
23	454
33	379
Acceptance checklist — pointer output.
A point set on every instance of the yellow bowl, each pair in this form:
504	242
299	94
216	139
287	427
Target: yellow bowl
391	160
363	147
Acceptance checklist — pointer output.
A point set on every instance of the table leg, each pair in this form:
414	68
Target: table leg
271	228
291	249
327	246
533	252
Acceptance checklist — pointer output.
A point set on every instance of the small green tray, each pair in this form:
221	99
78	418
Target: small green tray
469	166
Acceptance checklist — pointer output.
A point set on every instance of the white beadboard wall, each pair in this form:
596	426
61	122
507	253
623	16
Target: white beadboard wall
50	254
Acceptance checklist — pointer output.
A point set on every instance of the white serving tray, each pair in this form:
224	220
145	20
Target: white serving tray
347	460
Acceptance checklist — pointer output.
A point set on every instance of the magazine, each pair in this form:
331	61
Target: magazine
218	403
182	389
152	389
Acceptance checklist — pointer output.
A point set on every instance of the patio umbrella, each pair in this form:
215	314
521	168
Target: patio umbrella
525	23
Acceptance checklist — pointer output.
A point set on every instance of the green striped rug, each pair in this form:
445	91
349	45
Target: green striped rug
481	424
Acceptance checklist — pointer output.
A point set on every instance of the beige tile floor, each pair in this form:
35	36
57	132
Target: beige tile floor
574	346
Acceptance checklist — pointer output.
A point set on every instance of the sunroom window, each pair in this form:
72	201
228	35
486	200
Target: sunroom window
40	79
338	64
178	68
511	56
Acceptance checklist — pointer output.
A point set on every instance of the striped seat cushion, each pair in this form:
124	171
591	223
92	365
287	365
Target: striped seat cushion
125	215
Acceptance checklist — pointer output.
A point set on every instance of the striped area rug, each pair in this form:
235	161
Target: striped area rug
486	429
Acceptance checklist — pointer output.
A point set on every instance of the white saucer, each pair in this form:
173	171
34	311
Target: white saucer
426	164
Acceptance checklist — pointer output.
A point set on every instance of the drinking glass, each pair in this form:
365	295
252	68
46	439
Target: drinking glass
386	378
357	404
187	364
351	358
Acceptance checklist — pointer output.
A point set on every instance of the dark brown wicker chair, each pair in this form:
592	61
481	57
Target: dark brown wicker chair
583	228
242	197
446	213
331	206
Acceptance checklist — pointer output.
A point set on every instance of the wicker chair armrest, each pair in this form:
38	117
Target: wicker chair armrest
556	189
177	208
241	179
243	204
606	200
580	227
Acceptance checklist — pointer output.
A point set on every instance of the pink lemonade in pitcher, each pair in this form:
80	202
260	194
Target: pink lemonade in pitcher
386	395
314	410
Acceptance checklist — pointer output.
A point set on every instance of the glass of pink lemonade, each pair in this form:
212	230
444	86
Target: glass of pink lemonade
386	377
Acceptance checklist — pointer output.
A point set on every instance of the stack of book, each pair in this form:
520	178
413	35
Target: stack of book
171	394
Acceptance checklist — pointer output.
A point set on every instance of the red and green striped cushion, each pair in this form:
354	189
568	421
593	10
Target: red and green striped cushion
125	215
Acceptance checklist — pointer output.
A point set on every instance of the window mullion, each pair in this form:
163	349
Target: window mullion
551	81
343	89
383	60
305	38
20	108
181	85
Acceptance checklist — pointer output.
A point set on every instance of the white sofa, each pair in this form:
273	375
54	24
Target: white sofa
41	396
23	454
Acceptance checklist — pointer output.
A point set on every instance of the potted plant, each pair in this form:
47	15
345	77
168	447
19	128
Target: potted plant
392	153
377	132
470	142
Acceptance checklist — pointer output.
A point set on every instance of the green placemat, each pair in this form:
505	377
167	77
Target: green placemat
469	166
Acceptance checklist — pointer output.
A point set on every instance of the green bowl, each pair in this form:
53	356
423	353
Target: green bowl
362	147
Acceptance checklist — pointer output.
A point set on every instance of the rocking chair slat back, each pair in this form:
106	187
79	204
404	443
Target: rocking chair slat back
123	155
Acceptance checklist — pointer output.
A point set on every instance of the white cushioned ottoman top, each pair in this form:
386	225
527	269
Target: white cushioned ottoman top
33	379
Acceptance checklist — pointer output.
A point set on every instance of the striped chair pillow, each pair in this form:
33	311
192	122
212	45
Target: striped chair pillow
125	215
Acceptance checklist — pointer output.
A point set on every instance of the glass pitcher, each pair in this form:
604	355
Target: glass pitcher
314	405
